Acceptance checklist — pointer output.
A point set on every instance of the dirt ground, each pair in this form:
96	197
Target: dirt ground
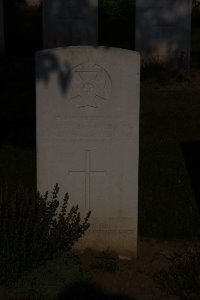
135	278
132	278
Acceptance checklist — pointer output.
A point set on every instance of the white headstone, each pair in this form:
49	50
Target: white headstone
71	22
2	46
88	138
163	28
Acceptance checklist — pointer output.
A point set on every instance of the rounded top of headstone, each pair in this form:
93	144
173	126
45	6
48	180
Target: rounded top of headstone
89	48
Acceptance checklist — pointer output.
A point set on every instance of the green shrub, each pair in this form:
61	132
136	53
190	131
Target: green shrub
35	229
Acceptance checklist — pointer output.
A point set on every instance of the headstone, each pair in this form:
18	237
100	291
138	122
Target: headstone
163	28
2	46
71	22
87	138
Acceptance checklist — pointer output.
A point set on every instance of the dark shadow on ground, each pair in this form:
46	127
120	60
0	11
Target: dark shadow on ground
191	151
89	291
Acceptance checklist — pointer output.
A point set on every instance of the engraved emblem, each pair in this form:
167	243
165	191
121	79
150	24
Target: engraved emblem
91	86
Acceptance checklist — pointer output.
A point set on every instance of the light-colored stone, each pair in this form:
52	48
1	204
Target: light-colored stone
70	23
2	45
163	28
88	138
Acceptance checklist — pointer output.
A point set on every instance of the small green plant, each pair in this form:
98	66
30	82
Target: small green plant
35	229
182	278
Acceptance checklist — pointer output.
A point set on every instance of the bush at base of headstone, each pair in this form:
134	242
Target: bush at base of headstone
36	227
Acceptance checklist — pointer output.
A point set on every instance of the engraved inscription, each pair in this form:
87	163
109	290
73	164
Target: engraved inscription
130	231
89	128
91	85
87	173
110	224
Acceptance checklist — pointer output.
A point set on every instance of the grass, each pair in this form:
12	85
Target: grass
167	206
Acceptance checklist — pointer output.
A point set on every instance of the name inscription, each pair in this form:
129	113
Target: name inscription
77	128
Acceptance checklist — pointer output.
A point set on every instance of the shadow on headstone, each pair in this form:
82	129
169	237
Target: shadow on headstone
47	63
17	121
191	151
85	290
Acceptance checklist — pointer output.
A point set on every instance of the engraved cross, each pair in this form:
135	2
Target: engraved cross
87	173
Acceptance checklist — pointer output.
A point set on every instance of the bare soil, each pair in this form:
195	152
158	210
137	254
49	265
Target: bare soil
135	278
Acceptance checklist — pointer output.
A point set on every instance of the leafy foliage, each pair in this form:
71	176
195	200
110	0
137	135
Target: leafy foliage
34	229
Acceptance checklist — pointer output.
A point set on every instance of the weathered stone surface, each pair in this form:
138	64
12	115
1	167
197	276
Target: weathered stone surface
163	28
70	23
88	138
2	45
